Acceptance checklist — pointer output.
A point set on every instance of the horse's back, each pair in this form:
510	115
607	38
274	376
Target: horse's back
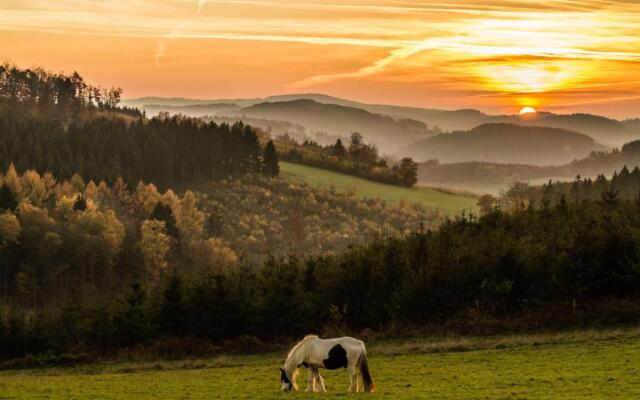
335	352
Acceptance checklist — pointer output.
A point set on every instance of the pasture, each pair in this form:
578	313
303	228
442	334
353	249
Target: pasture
583	365
450	203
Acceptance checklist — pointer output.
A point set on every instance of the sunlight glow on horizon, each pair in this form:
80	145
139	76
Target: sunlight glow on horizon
527	110
574	56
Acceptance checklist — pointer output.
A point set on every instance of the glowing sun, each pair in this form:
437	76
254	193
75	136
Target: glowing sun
527	110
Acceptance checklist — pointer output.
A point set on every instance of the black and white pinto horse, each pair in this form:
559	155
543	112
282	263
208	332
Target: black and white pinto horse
315	353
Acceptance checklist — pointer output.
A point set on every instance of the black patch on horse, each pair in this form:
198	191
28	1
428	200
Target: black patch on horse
337	358
283	376
304	364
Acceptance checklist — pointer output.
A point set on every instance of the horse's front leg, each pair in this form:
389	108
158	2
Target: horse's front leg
311	380
320	382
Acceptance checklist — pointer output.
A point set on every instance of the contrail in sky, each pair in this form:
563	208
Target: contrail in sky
201	4
163	45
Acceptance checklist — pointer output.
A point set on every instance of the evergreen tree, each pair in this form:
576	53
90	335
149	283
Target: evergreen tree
131	323
163	212
409	172
339	150
7	198
171	316
80	204
271	160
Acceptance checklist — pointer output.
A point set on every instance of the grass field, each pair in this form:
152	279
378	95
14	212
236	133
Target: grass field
449	203
592	365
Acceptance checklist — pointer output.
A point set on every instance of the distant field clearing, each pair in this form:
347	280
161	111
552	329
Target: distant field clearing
449	203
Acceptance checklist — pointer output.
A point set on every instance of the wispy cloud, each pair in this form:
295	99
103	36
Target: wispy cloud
481	45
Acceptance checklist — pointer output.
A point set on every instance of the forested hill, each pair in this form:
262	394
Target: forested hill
57	123
384	131
604	130
506	143
596	163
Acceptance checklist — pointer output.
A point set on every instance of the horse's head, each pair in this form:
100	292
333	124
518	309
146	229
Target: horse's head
285	383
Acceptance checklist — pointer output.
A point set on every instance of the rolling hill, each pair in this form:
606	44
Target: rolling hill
443	119
505	143
385	132
604	130
446	202
193	110
469	174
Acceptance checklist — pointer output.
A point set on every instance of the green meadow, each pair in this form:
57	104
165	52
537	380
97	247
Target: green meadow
450	203
588	365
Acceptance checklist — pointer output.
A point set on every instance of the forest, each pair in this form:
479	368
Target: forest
67	132
118	231
623	184
561	265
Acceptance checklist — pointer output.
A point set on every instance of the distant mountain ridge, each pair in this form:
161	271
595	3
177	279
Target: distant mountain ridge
444	119
505	143
604	130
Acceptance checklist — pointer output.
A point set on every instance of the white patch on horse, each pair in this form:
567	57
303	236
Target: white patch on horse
316	353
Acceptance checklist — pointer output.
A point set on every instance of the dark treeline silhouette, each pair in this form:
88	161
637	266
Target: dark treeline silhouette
166	151
57	123
623	185
556	266
57	96
356	158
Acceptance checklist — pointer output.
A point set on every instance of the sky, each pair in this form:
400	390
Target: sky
497	56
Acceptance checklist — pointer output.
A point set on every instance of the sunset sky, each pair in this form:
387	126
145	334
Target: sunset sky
497	56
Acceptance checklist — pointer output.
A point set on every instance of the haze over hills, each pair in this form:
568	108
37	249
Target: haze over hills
192	110
384	131
604	130
505	143
607	131
443	119
478	174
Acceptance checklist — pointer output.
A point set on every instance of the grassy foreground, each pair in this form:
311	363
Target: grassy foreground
449	203
590	365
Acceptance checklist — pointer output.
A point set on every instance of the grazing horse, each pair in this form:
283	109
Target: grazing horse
315	353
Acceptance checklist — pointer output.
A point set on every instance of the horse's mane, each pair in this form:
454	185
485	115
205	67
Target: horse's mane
300	343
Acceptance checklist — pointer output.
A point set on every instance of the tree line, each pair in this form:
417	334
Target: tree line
623	185
558	265
357	158
55	123
55	95
166	151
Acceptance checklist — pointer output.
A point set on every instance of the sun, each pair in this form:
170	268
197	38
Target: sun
527	110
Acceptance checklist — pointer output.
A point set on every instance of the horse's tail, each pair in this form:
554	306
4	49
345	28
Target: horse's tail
366	375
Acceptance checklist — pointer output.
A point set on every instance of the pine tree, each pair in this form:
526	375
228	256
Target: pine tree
339	150
171	317
162	212
271	160
80	204
7	199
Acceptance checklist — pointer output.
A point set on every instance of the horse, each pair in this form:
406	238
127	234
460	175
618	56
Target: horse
315	353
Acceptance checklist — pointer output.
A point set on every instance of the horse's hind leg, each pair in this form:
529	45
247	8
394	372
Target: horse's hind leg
354	383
